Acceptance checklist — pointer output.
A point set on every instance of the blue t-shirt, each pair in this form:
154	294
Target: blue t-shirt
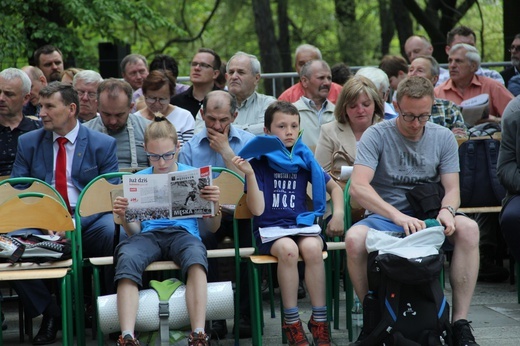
285	194
189	224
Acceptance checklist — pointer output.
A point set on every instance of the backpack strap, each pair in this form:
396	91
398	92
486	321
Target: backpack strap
389	316
492	147
164	290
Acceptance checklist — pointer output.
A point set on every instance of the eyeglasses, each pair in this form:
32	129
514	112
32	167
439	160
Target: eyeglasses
91	95
514	48
156	157
200	64
152	100
422	118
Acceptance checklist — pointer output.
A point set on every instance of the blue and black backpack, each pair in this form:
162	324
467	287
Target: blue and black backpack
406	303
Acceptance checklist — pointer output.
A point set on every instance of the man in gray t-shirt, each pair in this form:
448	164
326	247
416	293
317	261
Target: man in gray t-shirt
392	158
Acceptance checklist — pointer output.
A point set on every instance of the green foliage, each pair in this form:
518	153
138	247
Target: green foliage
180	27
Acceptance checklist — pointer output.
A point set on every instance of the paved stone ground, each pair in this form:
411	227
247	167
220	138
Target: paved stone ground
495	314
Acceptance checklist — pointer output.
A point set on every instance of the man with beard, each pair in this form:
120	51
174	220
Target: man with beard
303	54
114	97
514	69
86	83
243	76
314	107
14	91
50	60
38	81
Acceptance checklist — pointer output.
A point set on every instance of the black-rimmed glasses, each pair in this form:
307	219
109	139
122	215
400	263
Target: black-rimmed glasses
156	157
514	48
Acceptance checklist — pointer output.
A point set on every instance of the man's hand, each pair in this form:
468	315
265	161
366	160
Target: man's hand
219	141
446	219
458	131
410	224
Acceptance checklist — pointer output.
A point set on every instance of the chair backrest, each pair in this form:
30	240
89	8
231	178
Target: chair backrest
45	213
97	196
231	185
13	186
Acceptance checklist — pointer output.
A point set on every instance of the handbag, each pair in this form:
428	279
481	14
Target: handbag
335	173
340	156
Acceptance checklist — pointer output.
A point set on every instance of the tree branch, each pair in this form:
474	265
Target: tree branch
199	34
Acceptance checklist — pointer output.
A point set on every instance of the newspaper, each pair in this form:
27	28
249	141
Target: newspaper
173	195
475	108
268	234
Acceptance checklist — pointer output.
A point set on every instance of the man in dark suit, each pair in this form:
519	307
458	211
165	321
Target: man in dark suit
88	154
513	70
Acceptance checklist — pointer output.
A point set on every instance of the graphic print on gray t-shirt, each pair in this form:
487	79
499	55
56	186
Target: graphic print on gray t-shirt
400	164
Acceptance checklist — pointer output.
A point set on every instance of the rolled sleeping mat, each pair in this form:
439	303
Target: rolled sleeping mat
220	306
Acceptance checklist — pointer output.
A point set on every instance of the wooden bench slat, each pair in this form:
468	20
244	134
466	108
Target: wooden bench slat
267	259
9	275
470	210
31	265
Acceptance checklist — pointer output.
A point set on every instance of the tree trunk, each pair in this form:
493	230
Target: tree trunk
284	43
348	29
436	28
387	25
403	22
269	53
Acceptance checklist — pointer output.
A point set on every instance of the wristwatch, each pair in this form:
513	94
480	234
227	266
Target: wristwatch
450	209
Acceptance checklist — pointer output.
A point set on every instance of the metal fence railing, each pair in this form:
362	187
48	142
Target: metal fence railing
294	76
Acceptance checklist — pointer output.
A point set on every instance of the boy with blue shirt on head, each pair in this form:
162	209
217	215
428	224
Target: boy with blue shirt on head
276	188
163	239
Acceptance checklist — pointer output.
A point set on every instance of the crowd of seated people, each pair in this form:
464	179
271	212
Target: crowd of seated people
101	125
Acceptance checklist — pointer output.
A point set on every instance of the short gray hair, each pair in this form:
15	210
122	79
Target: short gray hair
377	76
308	47
255	64
435	70
307	67
13	73
471	52
87	76
132	59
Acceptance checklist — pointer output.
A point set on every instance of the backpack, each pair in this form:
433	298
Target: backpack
479	184
34	248
406	303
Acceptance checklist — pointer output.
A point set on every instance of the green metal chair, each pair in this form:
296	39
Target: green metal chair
95	198
349	290
46	213
98	196
242	212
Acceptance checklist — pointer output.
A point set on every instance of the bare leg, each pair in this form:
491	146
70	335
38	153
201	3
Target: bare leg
357	259
464	265
197	295
311	252
127	303
286	250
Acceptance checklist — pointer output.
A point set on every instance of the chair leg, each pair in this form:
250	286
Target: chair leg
271	290
349	298
256	311
517	281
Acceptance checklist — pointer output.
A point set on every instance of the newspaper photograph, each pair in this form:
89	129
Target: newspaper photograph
172	195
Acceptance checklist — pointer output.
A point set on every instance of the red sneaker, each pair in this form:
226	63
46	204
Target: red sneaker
320	332
198	339
295	334
127	341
